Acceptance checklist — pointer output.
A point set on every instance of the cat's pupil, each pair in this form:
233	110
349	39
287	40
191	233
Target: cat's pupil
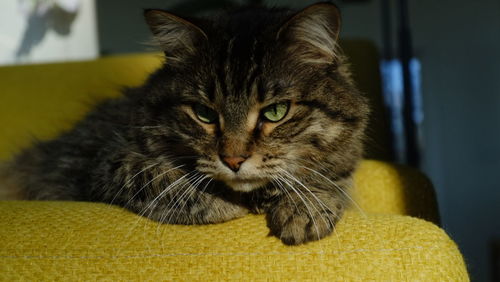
205	114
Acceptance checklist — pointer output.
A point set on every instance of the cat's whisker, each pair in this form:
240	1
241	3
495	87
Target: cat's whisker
178	195
193	188
302	196
182	198
153	203
169	208
160	220
171	187
168	188
128	182
323	206
281	186
339	188
170	158
203	191
149	182
162	193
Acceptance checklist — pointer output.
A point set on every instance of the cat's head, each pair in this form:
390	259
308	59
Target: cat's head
253	95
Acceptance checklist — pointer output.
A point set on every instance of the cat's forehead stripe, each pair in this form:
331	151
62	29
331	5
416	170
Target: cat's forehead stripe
332	114
238	69
211	90
203	93
251	83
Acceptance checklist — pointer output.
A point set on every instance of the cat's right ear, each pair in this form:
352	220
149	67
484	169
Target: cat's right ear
176	36
311	35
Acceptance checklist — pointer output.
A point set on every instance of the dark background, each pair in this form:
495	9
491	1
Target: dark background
458	45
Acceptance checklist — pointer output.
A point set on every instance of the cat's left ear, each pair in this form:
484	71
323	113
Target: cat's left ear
177	37
311	35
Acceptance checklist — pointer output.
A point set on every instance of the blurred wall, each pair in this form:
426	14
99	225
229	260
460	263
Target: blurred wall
29	35
121	24
458	43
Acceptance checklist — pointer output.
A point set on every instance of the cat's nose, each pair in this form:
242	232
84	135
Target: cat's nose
233	162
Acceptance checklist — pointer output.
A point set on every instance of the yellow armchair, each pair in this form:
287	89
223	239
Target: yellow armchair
389	235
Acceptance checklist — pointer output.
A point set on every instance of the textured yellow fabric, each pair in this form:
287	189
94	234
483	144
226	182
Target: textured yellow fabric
382	187
41	100
87	241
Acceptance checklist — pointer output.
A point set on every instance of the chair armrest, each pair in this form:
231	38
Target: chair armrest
89	241
382	187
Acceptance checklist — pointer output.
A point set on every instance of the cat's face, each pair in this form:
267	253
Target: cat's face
247	108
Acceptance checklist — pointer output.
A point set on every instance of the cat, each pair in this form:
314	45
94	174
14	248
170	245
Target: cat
253	111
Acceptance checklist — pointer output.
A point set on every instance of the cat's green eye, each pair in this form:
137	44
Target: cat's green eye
205	114
275	112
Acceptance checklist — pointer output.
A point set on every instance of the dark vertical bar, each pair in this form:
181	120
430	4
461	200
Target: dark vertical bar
406	53
495	259
385	12
387	56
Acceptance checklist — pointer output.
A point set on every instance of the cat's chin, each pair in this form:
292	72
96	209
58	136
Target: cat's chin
243	185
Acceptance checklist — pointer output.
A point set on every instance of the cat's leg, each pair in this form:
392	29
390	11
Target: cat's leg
304	213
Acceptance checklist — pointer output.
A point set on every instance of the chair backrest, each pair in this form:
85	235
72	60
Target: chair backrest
365	61
42	100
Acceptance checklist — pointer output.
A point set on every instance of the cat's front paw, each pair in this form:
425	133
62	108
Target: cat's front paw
297	227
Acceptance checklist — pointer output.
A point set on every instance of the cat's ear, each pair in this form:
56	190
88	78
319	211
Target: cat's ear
311	35
177	37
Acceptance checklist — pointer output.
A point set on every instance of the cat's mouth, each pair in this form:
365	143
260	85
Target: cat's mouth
245	184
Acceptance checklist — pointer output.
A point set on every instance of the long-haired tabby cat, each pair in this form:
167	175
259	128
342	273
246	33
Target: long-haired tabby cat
253	111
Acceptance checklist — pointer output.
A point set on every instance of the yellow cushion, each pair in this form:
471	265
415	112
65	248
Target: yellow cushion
89	241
